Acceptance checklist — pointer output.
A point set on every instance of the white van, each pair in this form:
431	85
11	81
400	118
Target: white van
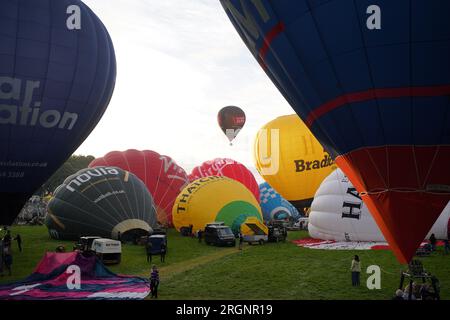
107	250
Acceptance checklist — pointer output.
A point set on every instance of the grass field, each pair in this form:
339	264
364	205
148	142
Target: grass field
273	271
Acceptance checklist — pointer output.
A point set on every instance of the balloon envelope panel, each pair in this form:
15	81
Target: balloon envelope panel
212	199
55	85
227	168
163	177
300	162
274	206
101	201
372	82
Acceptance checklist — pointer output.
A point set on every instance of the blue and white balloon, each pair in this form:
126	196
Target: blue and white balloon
274	206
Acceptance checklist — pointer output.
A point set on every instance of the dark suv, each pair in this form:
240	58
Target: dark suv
219	234
277	231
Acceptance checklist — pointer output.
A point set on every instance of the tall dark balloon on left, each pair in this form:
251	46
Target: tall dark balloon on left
57	76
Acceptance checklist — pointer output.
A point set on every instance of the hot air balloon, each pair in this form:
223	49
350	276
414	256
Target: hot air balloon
231	120
163	177
101	201
291	159
274	206
57	75
338	213
371	81
223	167
212	199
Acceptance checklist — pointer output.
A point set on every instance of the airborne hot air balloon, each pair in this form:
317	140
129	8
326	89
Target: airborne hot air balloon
372	81
231	120
223	167
212	199
163	177
338	213
57	75
291	159
101	201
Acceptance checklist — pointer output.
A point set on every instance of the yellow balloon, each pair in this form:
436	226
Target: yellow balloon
213	199
291	159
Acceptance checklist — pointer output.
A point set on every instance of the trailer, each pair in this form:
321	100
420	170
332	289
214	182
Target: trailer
254	231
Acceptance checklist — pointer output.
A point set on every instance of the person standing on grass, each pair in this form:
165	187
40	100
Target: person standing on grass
7	259
148	248
446	246
18	238
433	242
199	235
154	282
1	257
163	252
356	271
241	240
7	239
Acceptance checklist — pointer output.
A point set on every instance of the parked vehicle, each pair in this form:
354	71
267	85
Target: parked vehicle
302	223
277	231
219	234
84	244
157	240
107	250
254	231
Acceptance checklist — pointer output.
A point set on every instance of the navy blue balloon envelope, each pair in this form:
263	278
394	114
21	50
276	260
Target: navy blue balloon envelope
372	81
57	76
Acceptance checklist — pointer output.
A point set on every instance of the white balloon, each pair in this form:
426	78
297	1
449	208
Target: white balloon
338	213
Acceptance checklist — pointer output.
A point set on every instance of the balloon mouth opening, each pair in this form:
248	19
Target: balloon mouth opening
280	215
133	235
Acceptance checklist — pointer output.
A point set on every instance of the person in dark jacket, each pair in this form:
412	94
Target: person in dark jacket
199	235
154	282
241	240
7	259
18	238
7	239
1	257
163	252
148	249
446	246
433	242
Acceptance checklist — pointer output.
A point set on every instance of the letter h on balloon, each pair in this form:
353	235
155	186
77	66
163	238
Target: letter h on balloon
270	160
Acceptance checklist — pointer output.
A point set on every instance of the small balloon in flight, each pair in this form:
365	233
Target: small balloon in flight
231	120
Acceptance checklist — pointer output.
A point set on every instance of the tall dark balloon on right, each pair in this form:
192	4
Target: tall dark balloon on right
371	79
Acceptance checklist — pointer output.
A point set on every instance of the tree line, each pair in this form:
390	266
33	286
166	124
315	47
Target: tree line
71	166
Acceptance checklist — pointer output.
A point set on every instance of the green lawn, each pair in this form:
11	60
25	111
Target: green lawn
271	271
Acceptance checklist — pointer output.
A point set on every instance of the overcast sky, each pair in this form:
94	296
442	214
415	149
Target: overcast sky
179	62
